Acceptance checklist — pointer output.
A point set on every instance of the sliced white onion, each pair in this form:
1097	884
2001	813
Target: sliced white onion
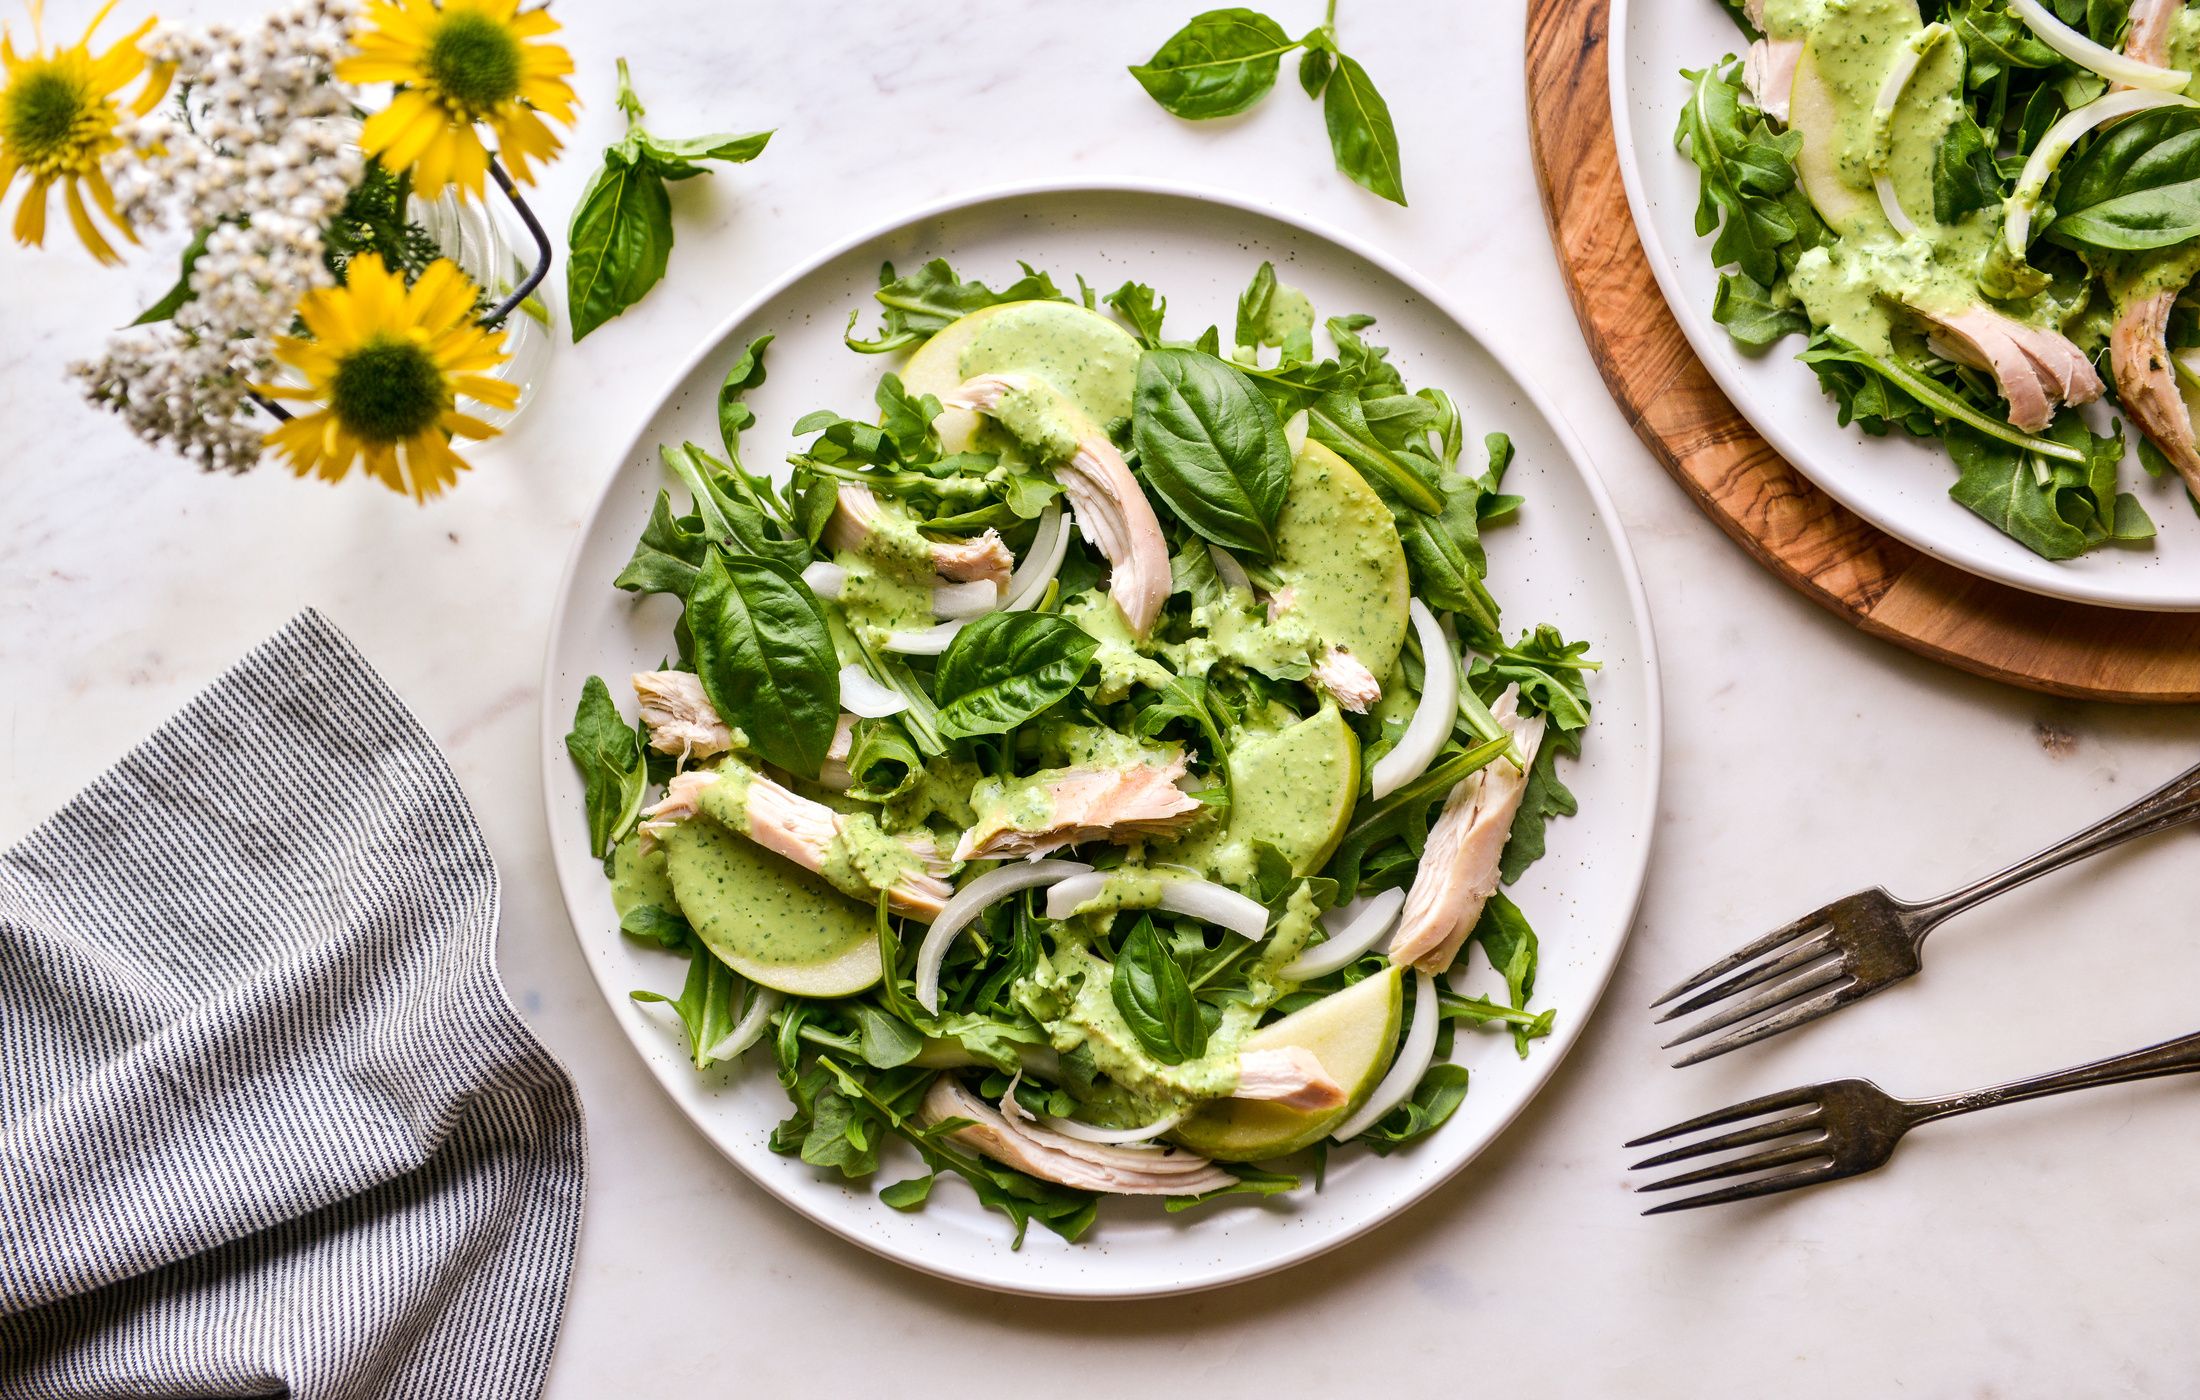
825	579
1112	1137
1405	1071
968	903
1340	950
1432	718
1294	432
1041	562
2017	226
1228	569
1890	92
866	698
750	1028
2114	66
928	641
1199	899
965	600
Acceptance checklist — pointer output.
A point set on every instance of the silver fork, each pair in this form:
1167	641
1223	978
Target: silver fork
1853	1125
1868	941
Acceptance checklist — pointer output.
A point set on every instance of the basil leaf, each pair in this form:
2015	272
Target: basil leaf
620	242
765	658
1155	1000
675	160
1006	668
1315	66
1360	133
2137	186
1219	64
1212	447
882	763
660	926
1254	304
609	754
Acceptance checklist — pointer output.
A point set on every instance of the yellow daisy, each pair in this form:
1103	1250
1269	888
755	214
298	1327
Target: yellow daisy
58	116
458	63
387	365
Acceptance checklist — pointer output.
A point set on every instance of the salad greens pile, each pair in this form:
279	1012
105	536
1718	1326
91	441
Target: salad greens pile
1274	473
1960	208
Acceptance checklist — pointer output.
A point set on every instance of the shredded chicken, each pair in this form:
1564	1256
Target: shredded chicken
856	513
1340	675
1052	1156
1769	73
2147	39
2036	370
1112	512
2146	381
1458	872
1093	804
791	825
1290	1076
679	715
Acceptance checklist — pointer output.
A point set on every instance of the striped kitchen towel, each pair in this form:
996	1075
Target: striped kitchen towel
268	1124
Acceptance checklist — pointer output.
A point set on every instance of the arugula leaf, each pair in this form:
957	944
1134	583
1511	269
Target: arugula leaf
707	1005
1006	668
1212	447
1747	170
1434	1100
620	239
1143	307
1964	175
1543	797
663	927
1360	131
1155	1000
1403	817
2137	186
2057	509
766	658
1752	314
669	553
1995	41
882	762
887	1041
1337	422
1251	1181
1218	65
924	302
609	754
1548	669
734	414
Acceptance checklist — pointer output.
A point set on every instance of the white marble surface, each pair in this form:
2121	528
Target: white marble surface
2039	1250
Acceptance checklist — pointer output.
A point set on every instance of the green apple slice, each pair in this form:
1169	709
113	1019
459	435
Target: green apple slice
769	920
1351	1032
1293	788
1339	560
1087	357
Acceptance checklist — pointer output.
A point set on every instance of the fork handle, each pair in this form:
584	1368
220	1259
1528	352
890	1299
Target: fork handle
2179	1056
2173	803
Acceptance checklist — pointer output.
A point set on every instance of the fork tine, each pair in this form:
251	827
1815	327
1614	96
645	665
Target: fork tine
1807	924
1748	1108
1778	994
1762	1186
1740	1137
1771	1157
1810	950
1839	995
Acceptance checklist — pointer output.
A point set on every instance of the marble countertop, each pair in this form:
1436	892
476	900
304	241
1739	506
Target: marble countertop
2040	1250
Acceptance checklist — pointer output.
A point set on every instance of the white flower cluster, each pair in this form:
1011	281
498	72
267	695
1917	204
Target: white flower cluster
258	156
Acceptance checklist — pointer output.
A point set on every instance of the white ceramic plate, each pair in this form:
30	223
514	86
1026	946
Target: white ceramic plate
1565	560
1897	483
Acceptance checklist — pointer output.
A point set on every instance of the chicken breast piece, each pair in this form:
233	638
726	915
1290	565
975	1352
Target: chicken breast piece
1340	676
2146	381
807	833
1118	804
1290	1076
1768	71
2147	38
2036	370
856	513
1064	1160
1458	872
679	715
1111	511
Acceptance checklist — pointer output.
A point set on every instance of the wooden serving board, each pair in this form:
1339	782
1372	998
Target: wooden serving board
1837	560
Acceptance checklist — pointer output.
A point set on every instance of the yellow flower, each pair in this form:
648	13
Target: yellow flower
456	63
388	366
57	118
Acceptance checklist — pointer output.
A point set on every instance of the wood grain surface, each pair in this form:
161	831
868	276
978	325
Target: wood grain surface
1836	559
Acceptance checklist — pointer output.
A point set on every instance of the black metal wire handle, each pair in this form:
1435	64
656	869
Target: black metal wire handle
499	313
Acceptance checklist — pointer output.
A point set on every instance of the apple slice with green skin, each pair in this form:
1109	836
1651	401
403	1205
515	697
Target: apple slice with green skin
1293	788
771	921
1089	358
1351	1032
1339	561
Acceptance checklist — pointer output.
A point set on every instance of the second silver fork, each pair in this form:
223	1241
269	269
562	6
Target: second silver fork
1868	941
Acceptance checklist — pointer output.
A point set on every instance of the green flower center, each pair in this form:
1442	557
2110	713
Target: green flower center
474	62
39	114
388	390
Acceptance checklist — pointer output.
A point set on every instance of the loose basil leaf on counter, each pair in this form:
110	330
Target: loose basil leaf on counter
1212	447
1360	131
1008	667
1156	1001
1218	65
926	300
2136	187
765	657
620	240
609	754
1315	66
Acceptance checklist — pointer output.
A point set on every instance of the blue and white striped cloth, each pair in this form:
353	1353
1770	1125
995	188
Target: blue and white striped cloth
268	1124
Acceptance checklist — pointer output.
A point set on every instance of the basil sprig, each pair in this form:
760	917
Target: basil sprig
765	657
621	236
1225	61
1212	447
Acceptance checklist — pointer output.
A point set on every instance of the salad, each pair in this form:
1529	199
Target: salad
1982	216
1091	766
